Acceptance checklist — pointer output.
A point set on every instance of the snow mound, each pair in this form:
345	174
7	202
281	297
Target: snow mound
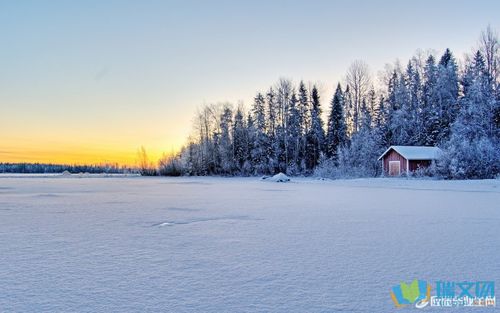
278	178
66	174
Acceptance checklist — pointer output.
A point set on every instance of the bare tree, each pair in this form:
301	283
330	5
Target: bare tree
489	47
146	167
284	89
359	81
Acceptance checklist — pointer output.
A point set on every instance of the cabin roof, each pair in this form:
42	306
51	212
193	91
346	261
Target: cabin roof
415	152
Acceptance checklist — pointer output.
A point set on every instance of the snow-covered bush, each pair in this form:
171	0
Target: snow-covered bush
470	160
327	168
292	170
359	159
428	171
170	166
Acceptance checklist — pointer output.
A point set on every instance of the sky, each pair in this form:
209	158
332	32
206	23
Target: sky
93	81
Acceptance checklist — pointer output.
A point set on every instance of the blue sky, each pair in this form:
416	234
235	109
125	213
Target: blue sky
94	80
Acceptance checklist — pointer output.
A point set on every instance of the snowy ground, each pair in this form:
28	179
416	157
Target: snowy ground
132	244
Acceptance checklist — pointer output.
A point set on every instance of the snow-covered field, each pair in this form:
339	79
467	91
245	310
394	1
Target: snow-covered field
133	244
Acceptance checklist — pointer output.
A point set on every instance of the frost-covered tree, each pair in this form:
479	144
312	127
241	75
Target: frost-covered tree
489	46
348	111
473	150
390	107
372	105
316	134
284	93
294	136
415	101
430	109
447	95
359	81
305	122
224	144
272	156
475	119
251	139
259	152
401	131
380	128
359	157
336	130
240	140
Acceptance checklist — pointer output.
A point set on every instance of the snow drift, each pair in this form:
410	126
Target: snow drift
278	178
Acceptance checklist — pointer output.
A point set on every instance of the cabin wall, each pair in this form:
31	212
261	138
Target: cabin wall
394	156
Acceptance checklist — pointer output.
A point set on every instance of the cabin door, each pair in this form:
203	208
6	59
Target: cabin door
394	168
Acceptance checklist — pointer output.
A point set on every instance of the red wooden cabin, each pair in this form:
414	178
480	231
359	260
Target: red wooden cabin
397	160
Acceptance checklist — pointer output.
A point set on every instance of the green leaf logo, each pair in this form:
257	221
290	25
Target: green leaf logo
410	292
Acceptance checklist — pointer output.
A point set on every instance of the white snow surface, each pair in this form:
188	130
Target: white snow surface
416	152
139	244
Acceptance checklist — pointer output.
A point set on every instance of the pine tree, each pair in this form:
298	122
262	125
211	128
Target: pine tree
348	111
415	93
359	158
260	150
473	151
380	119
401	131
305	123
224	145
430	109
391	107
447	95
251	140
281	147
316	135
475	119
372	105
336	129
365	117
294	136
240	144
272	156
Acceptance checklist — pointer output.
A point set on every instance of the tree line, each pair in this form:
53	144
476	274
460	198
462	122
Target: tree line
431	101
44	168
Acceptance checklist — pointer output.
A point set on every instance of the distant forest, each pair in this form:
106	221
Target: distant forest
431	100
41	168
